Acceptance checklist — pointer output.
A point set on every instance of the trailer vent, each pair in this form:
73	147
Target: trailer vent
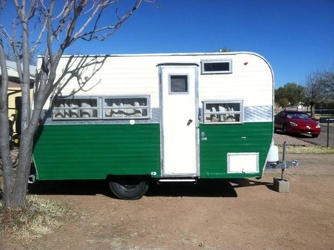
241	163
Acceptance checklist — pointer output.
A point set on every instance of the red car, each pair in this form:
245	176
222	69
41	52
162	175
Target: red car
296	122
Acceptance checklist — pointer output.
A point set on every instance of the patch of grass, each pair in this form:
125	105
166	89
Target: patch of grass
40	217
291	149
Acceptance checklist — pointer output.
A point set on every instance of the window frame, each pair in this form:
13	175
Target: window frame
76	109
217	115
205	72
136	109
98	111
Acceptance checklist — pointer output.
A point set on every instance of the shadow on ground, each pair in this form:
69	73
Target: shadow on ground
203	188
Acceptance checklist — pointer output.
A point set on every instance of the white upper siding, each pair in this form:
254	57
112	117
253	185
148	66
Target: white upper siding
251	78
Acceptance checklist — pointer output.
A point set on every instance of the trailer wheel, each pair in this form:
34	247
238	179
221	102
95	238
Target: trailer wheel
128	188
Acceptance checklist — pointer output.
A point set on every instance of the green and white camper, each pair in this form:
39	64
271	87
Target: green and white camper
132	119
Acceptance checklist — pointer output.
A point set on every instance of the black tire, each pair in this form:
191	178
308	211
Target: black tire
285	129
128	188
314	136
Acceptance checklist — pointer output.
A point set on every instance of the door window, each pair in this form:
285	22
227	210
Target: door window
178	84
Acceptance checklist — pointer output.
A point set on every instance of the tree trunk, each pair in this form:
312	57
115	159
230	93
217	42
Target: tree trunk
16	180
312	111
15	194
7	165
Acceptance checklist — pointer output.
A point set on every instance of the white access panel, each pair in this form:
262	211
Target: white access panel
242	163
179	123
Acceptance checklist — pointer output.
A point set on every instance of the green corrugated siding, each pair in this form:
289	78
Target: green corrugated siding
220	140
92	151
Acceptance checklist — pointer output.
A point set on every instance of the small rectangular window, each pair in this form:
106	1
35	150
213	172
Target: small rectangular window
179	84
219	112
75	108
135	107
216	67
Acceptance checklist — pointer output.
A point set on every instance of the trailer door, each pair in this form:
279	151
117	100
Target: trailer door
178	102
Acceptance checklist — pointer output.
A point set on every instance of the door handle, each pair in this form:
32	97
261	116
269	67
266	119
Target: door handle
189	122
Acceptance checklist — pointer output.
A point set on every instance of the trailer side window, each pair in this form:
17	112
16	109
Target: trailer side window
126	107
216	67
218	112
100	107
75	108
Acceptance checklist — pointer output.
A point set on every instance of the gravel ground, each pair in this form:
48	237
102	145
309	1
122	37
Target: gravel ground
290	140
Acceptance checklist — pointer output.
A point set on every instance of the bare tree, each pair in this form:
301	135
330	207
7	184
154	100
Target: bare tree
57	29
319	88
328	78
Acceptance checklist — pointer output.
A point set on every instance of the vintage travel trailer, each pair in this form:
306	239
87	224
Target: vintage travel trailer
131	119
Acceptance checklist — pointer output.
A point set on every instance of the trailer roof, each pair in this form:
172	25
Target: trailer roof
166	54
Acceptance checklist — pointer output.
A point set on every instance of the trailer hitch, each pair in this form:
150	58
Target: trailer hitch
281	164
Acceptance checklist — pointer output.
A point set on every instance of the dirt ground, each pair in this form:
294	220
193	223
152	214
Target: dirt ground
247	214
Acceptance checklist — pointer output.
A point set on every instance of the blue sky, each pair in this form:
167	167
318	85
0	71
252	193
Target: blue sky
295	36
